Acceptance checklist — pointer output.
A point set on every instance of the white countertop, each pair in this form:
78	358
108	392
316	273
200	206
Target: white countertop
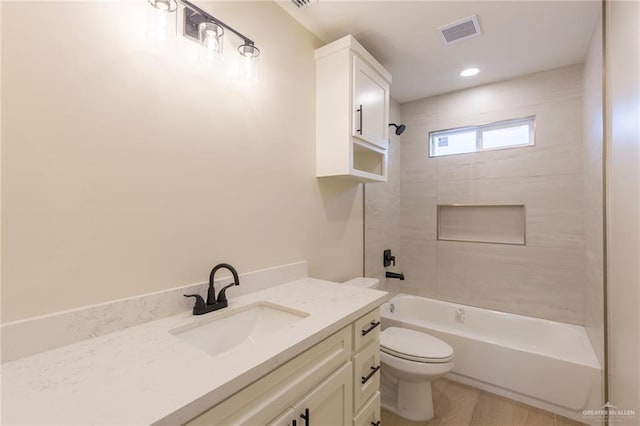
144	374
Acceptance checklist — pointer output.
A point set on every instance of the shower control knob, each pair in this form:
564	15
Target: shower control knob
388	259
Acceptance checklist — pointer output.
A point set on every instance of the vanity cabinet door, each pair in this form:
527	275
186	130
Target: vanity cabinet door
287	418
267	399
329	404
370	104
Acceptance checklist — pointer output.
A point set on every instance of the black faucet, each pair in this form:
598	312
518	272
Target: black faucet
222	296
213	303
399	276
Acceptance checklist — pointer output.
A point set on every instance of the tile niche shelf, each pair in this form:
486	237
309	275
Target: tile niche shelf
494	224
352	112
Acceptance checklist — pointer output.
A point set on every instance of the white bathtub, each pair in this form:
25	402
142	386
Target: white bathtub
544	363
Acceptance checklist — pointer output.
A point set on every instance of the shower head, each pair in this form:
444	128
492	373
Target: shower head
399	128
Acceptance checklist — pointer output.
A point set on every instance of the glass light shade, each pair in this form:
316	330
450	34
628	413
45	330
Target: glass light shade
211	35
162	19
249	64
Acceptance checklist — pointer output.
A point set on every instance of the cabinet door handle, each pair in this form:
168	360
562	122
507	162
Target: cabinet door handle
360	111
373	371
373	325
372	423
295	422
305	417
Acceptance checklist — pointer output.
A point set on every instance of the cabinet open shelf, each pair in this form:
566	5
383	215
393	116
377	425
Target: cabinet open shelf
369	163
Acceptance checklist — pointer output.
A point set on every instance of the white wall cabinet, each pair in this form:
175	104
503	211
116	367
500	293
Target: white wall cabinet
352	112
371	99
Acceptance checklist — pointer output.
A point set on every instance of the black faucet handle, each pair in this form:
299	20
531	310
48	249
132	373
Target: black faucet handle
222	294
211	295
199	300
388	259
201	308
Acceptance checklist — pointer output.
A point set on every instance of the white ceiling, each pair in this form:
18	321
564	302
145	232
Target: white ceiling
518	38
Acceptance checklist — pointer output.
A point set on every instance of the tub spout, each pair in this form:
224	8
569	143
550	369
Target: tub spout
399	276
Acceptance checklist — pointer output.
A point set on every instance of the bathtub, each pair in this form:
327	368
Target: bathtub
547	364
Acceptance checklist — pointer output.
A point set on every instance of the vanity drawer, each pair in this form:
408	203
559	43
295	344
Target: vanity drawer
366	379
366	329
370	413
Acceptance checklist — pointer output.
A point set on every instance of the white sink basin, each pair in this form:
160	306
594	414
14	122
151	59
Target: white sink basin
246	325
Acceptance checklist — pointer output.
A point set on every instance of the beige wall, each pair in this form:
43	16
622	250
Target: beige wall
382	211
623	205
593	169
127	168
546	277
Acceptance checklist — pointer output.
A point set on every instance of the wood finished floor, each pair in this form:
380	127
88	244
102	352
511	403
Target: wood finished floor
459	405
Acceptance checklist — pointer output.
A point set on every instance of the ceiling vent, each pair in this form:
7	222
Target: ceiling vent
302	3
457	31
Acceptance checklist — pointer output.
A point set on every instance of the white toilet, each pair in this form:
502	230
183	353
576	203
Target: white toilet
410	361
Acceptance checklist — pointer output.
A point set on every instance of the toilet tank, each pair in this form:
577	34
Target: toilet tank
363	282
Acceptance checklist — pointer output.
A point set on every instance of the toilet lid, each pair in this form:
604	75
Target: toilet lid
414	345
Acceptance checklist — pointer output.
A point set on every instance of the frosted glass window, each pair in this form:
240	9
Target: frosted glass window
455	143
506	136
502	134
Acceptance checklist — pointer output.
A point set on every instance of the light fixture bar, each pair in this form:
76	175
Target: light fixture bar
192	21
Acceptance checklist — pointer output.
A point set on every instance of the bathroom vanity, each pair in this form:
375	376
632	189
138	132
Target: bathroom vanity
335	382
306	349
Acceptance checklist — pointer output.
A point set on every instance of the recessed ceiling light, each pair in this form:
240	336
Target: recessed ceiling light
469	72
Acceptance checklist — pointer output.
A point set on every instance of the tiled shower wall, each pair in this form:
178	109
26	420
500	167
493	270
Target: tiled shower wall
593	197
382	211
546	277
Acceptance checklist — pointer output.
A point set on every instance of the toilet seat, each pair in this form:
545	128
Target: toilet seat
414	346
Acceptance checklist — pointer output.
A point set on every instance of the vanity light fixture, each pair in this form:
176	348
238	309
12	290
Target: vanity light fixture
205	29
248	72
469	72
161	20
210	36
